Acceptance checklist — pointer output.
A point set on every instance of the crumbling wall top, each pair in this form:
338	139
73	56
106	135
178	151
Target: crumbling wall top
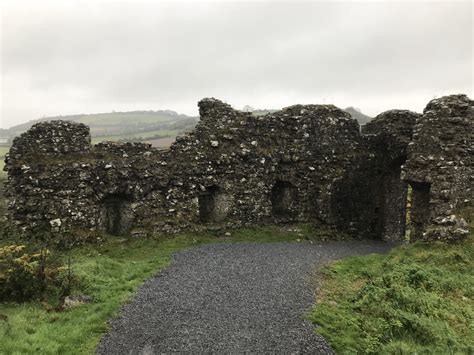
124	150
297	111
443	138
452	105
212	107
396	123
52	138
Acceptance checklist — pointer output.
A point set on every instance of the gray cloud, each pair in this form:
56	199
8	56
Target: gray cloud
60	58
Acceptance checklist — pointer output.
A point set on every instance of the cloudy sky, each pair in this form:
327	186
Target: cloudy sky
67	57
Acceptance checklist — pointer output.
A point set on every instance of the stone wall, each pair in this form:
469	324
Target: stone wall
302	149
440	168
52	139
370	197
303	164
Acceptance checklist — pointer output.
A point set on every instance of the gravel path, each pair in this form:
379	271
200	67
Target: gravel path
229	298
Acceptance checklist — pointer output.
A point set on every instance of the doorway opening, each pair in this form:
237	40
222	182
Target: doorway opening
284	199
117	215
420	208
393	207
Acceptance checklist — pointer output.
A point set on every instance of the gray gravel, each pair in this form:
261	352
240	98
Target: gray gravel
230	298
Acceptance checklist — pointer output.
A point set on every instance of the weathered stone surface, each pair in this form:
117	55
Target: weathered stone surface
369	198
440	167
52	139
307	164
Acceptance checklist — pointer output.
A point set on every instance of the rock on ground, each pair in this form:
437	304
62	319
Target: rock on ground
230	298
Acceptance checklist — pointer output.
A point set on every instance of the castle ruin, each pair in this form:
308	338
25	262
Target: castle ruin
304	164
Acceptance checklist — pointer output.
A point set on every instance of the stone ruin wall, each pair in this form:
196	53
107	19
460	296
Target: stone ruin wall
303	164
370	198
440	168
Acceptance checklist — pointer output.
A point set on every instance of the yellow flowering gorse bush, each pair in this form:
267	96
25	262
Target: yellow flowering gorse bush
26	275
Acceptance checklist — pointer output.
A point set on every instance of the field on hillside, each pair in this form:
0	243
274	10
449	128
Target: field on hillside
141	126
123	126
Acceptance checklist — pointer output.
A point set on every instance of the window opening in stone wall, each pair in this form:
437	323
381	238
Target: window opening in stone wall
214	205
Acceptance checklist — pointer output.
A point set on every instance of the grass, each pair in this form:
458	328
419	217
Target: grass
3	201
417	299
112	273
3	151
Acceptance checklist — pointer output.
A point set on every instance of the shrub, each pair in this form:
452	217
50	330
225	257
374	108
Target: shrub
25	276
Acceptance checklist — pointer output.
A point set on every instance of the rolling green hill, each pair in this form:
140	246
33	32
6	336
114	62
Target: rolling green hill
157	127
121	126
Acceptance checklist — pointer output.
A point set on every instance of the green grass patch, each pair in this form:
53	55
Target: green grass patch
111	272
417	299
3	151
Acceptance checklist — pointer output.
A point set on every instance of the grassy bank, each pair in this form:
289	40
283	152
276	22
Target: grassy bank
3	151
418	299
112	273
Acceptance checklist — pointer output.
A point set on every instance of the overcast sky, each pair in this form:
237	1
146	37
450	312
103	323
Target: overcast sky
68	57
